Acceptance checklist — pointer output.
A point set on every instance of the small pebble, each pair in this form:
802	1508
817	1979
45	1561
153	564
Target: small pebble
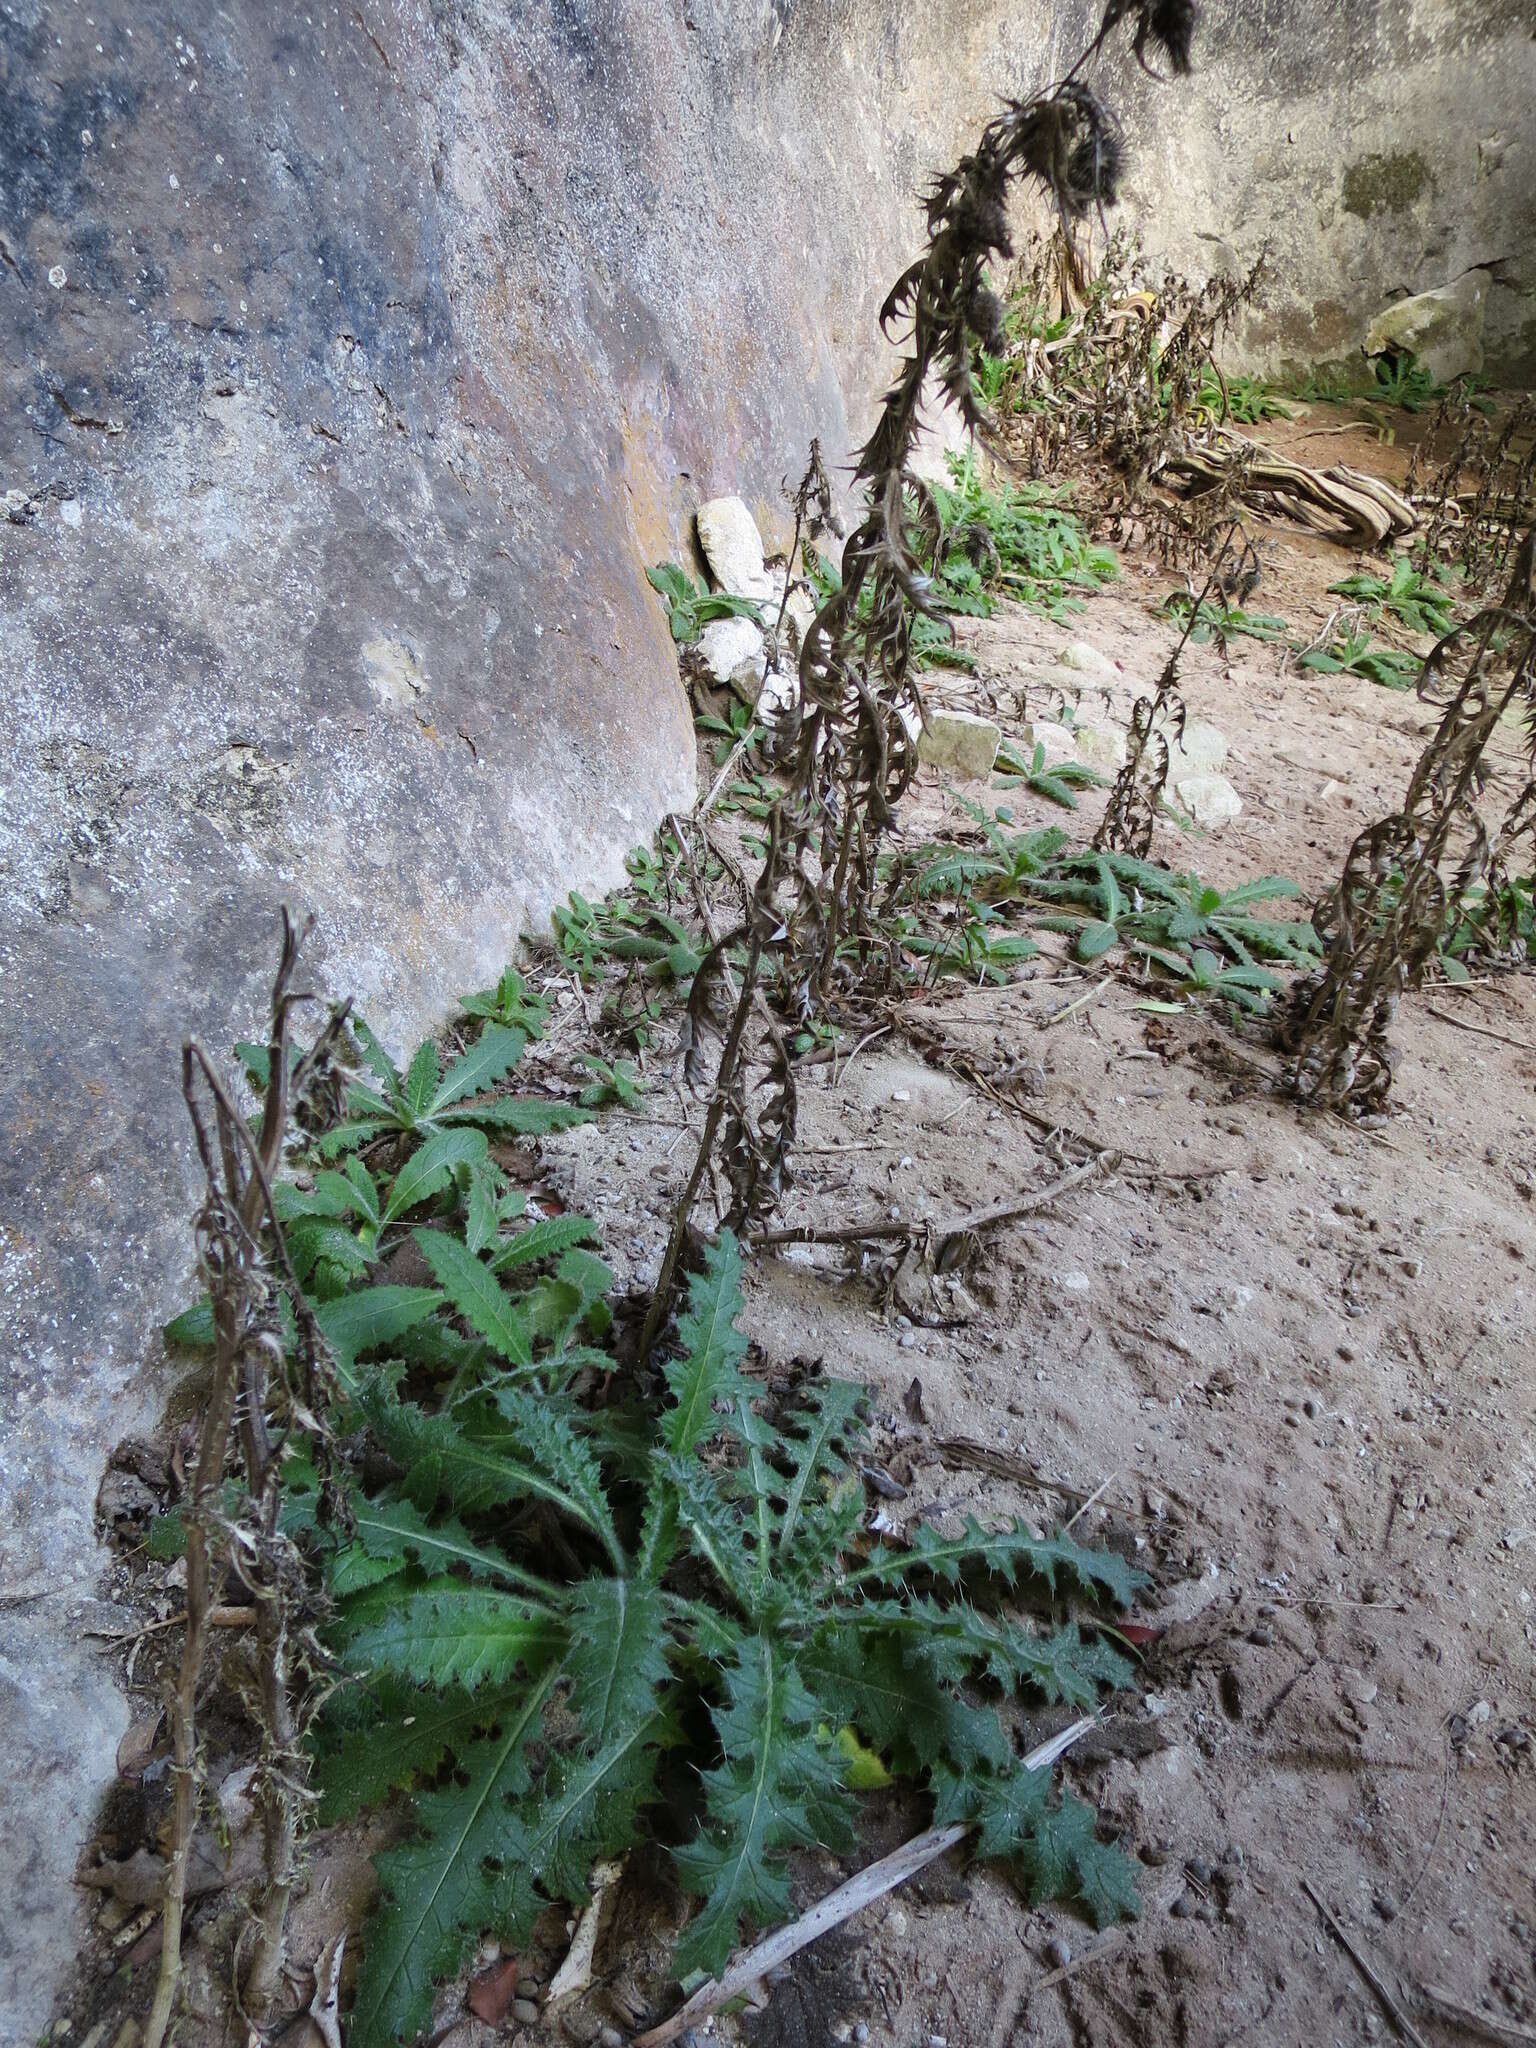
1057	1953
1199	1870
861	2032
610	2037
1183	1907
1227	1876
1207	1912
1262	1636
524	2011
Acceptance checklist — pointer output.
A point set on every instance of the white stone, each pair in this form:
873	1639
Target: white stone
1055	740
959	741
1086	659
1443	329
733	548
732	651
1101	746
1209	799
1201	750
779	694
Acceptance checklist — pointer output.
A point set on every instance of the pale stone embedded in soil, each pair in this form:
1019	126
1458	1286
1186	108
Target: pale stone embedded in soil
1100	746
1209	799
1057	742
1086	659
732	651
733	548
1442	329
959	741
1201	749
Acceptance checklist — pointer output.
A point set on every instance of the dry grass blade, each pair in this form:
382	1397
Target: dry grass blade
840	1905
1368	1971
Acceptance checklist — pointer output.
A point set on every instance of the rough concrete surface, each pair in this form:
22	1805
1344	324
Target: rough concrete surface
1380	149
355	362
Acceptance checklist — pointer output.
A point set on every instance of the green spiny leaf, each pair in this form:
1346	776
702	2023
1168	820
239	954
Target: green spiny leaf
490	1059
617	1659
705	1375
542	1240
429	1168
478	1295
447	1633
438	1891
758	1802
367	1321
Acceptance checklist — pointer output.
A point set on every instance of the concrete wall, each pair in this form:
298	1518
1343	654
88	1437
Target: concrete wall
1383	148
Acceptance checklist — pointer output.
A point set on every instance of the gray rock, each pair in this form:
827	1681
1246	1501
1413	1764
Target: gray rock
524	2011
1201	749
1058	1953
1100	746
959	742
1056	741
1442	329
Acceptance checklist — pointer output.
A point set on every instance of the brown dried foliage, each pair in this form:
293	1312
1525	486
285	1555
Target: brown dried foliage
812	937
1407	876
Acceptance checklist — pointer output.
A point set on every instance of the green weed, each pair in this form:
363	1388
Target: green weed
1421	601
1222	622
1246	399
1055	783
1355	653
690	608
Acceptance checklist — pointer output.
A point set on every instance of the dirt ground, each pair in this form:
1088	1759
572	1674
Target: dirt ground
1296	1359
1286	1362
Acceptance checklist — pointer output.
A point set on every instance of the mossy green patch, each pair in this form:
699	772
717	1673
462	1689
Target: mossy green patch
1385	183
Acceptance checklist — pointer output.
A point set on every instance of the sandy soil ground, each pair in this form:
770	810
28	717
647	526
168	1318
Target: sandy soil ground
1286	1363
1303	1378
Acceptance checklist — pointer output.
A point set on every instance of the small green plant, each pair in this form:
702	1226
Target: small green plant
1000	865
453	1105
1018	540
1168	918
612	1081
976	944
690	608
510	1002
1222	622
1055	783
1353	652
1401	380
1248	400
1420	600
626	927
1324	386
711	1572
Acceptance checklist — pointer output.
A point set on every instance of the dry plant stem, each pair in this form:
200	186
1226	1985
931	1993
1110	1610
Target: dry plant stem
657	1312
938	1226
862	1890
232	1235
1445	2007
1388	2003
